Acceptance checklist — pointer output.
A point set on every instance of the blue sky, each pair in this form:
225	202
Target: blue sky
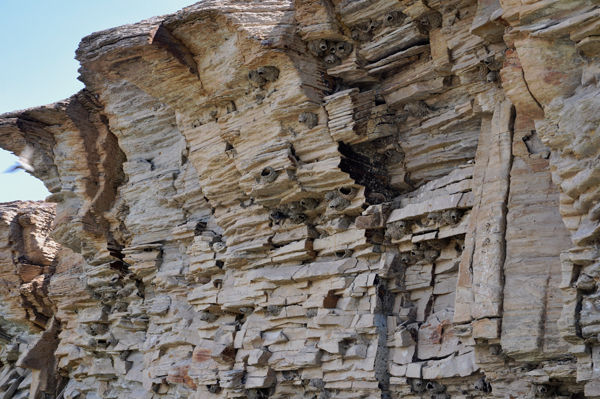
38	64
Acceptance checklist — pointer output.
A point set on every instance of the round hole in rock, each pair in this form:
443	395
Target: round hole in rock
345	190
265	172
340	254
220	264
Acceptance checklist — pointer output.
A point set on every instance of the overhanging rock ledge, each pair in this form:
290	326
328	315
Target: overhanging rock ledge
314	199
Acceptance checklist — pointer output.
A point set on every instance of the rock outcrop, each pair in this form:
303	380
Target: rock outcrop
314	199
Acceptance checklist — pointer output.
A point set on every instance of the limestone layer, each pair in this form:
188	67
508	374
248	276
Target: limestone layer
314	199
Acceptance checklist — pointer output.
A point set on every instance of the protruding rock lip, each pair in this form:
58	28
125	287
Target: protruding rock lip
98	44
50	114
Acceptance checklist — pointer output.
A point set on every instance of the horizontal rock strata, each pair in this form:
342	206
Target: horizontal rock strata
314	199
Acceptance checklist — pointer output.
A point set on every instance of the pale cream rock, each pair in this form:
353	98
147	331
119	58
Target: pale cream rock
226	188
486	328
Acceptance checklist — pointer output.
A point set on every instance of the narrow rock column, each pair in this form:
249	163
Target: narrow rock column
481	278
535	237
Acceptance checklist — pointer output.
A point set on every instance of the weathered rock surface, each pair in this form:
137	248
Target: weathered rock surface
314	199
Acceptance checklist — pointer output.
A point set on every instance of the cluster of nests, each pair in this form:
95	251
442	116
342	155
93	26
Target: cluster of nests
101	338
270	310
332	53
110	296
338	200
397	230
418	109
293	211
389	148
438	391
427	251
262	75
341	198
435	389
489	69
286	376
365	32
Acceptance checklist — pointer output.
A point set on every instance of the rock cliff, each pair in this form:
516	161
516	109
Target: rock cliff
314	199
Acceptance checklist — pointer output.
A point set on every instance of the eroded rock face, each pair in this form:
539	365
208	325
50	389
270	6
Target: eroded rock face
314	199
31	264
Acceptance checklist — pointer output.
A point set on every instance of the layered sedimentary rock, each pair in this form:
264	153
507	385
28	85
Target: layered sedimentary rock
314	199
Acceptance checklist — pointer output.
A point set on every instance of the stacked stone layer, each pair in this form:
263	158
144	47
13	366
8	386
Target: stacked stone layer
314	199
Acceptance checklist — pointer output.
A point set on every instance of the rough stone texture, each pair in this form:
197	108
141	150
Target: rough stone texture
314	199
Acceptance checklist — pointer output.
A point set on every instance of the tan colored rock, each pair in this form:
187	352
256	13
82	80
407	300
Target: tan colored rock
313	199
